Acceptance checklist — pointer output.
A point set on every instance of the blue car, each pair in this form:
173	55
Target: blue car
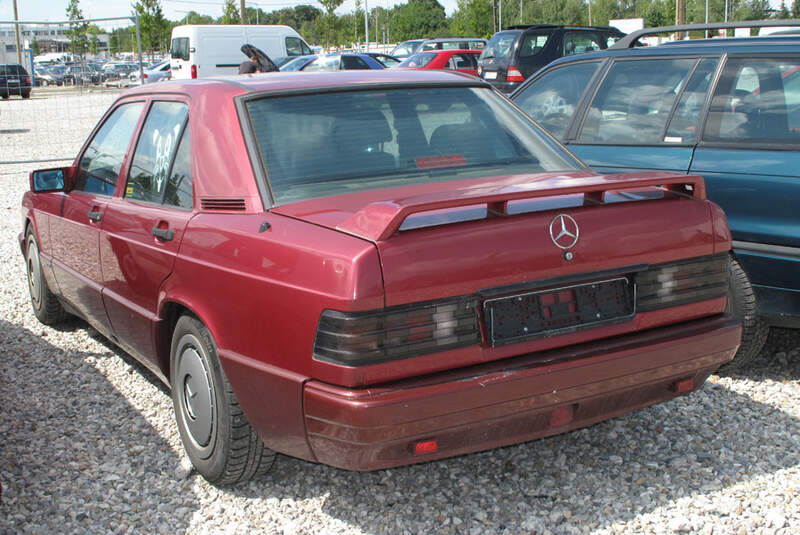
332	62
726	109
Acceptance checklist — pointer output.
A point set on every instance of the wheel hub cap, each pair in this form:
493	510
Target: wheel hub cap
196	400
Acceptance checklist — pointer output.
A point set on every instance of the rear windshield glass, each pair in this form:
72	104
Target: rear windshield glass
335	143
418	60
501	45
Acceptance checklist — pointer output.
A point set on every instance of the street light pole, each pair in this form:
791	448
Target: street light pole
16	31
366	25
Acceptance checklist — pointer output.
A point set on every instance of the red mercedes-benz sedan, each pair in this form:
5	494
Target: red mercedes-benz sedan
370	269
465	61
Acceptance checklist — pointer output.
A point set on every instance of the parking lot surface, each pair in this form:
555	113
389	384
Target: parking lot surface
88	442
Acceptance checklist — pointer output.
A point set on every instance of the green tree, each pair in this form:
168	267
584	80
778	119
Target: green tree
77	31
193	17
153	27
783	12
472	18
35	47
418	18
330	6
230	13
796	9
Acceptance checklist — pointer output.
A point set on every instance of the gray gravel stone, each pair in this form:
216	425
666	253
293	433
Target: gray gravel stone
88	444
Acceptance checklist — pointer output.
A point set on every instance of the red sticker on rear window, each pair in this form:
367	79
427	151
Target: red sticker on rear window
451	160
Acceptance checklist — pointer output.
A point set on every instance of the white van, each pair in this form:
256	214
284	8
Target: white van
203	50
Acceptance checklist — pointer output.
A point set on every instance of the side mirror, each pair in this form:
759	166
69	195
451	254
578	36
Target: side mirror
51	179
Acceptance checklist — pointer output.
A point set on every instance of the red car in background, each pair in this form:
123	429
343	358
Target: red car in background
453	60
369	268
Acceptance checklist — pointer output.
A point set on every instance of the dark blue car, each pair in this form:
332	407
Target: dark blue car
726	109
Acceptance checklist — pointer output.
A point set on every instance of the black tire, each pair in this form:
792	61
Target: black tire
4	96
742	305
45	304
216	435
26	94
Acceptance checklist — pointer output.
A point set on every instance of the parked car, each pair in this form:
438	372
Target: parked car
157	73
332	62
384	59
408	48
47	76
14	80
512	55
113	72
455	60
371	269
726	109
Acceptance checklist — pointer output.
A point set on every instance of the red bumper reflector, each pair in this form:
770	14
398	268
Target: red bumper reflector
686	385
561	416
425	446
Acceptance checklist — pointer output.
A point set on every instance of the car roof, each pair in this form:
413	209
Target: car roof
280	82
690	47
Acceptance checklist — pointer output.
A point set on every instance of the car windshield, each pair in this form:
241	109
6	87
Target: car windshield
295	64
342	142
500	45
418	60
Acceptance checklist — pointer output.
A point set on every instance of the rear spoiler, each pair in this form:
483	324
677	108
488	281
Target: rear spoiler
380	220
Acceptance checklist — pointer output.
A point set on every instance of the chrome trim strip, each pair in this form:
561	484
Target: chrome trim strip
755	247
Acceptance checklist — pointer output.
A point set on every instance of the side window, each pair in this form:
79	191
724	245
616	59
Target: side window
552	98
149	171
179	186
580	42
462	61
683	125
353	62
102	161
634	101
294	47
754	102
532	44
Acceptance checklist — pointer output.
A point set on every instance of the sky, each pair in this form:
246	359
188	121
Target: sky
55	10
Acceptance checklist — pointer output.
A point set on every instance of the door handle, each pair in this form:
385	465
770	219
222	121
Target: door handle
95	215
165	234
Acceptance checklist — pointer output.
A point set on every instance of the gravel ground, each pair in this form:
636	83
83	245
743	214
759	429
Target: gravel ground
88	445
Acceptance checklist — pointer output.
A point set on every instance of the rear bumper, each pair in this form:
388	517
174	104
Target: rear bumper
520	399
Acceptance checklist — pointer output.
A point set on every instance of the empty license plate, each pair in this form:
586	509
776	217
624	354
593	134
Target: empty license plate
490	75
558	310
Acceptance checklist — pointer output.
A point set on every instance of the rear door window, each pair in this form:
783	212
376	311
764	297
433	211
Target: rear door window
353	62
323	64
756	102
532	44
683	125
155	150
580	42
462	61
635	100
551	99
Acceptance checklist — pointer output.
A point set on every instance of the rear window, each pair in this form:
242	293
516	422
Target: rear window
501	45
180	48
418	60
315	146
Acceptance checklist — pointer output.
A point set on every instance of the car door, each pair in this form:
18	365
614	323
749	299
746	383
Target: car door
749	158
644	115
143	228
76	232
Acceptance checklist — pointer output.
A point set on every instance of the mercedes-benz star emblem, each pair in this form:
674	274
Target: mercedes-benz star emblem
564	231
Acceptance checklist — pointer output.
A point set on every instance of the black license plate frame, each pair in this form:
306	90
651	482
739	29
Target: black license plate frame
531	315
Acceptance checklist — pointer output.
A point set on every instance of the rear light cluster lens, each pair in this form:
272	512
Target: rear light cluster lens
359	338
682	282
514	75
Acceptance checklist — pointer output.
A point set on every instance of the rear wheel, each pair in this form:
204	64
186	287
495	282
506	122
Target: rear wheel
45	304
742	305
215	432
26	94
4	96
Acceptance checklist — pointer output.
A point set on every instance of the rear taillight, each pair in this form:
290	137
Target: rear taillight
144	75
194	71
682	282
514	75
28	80
360	338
